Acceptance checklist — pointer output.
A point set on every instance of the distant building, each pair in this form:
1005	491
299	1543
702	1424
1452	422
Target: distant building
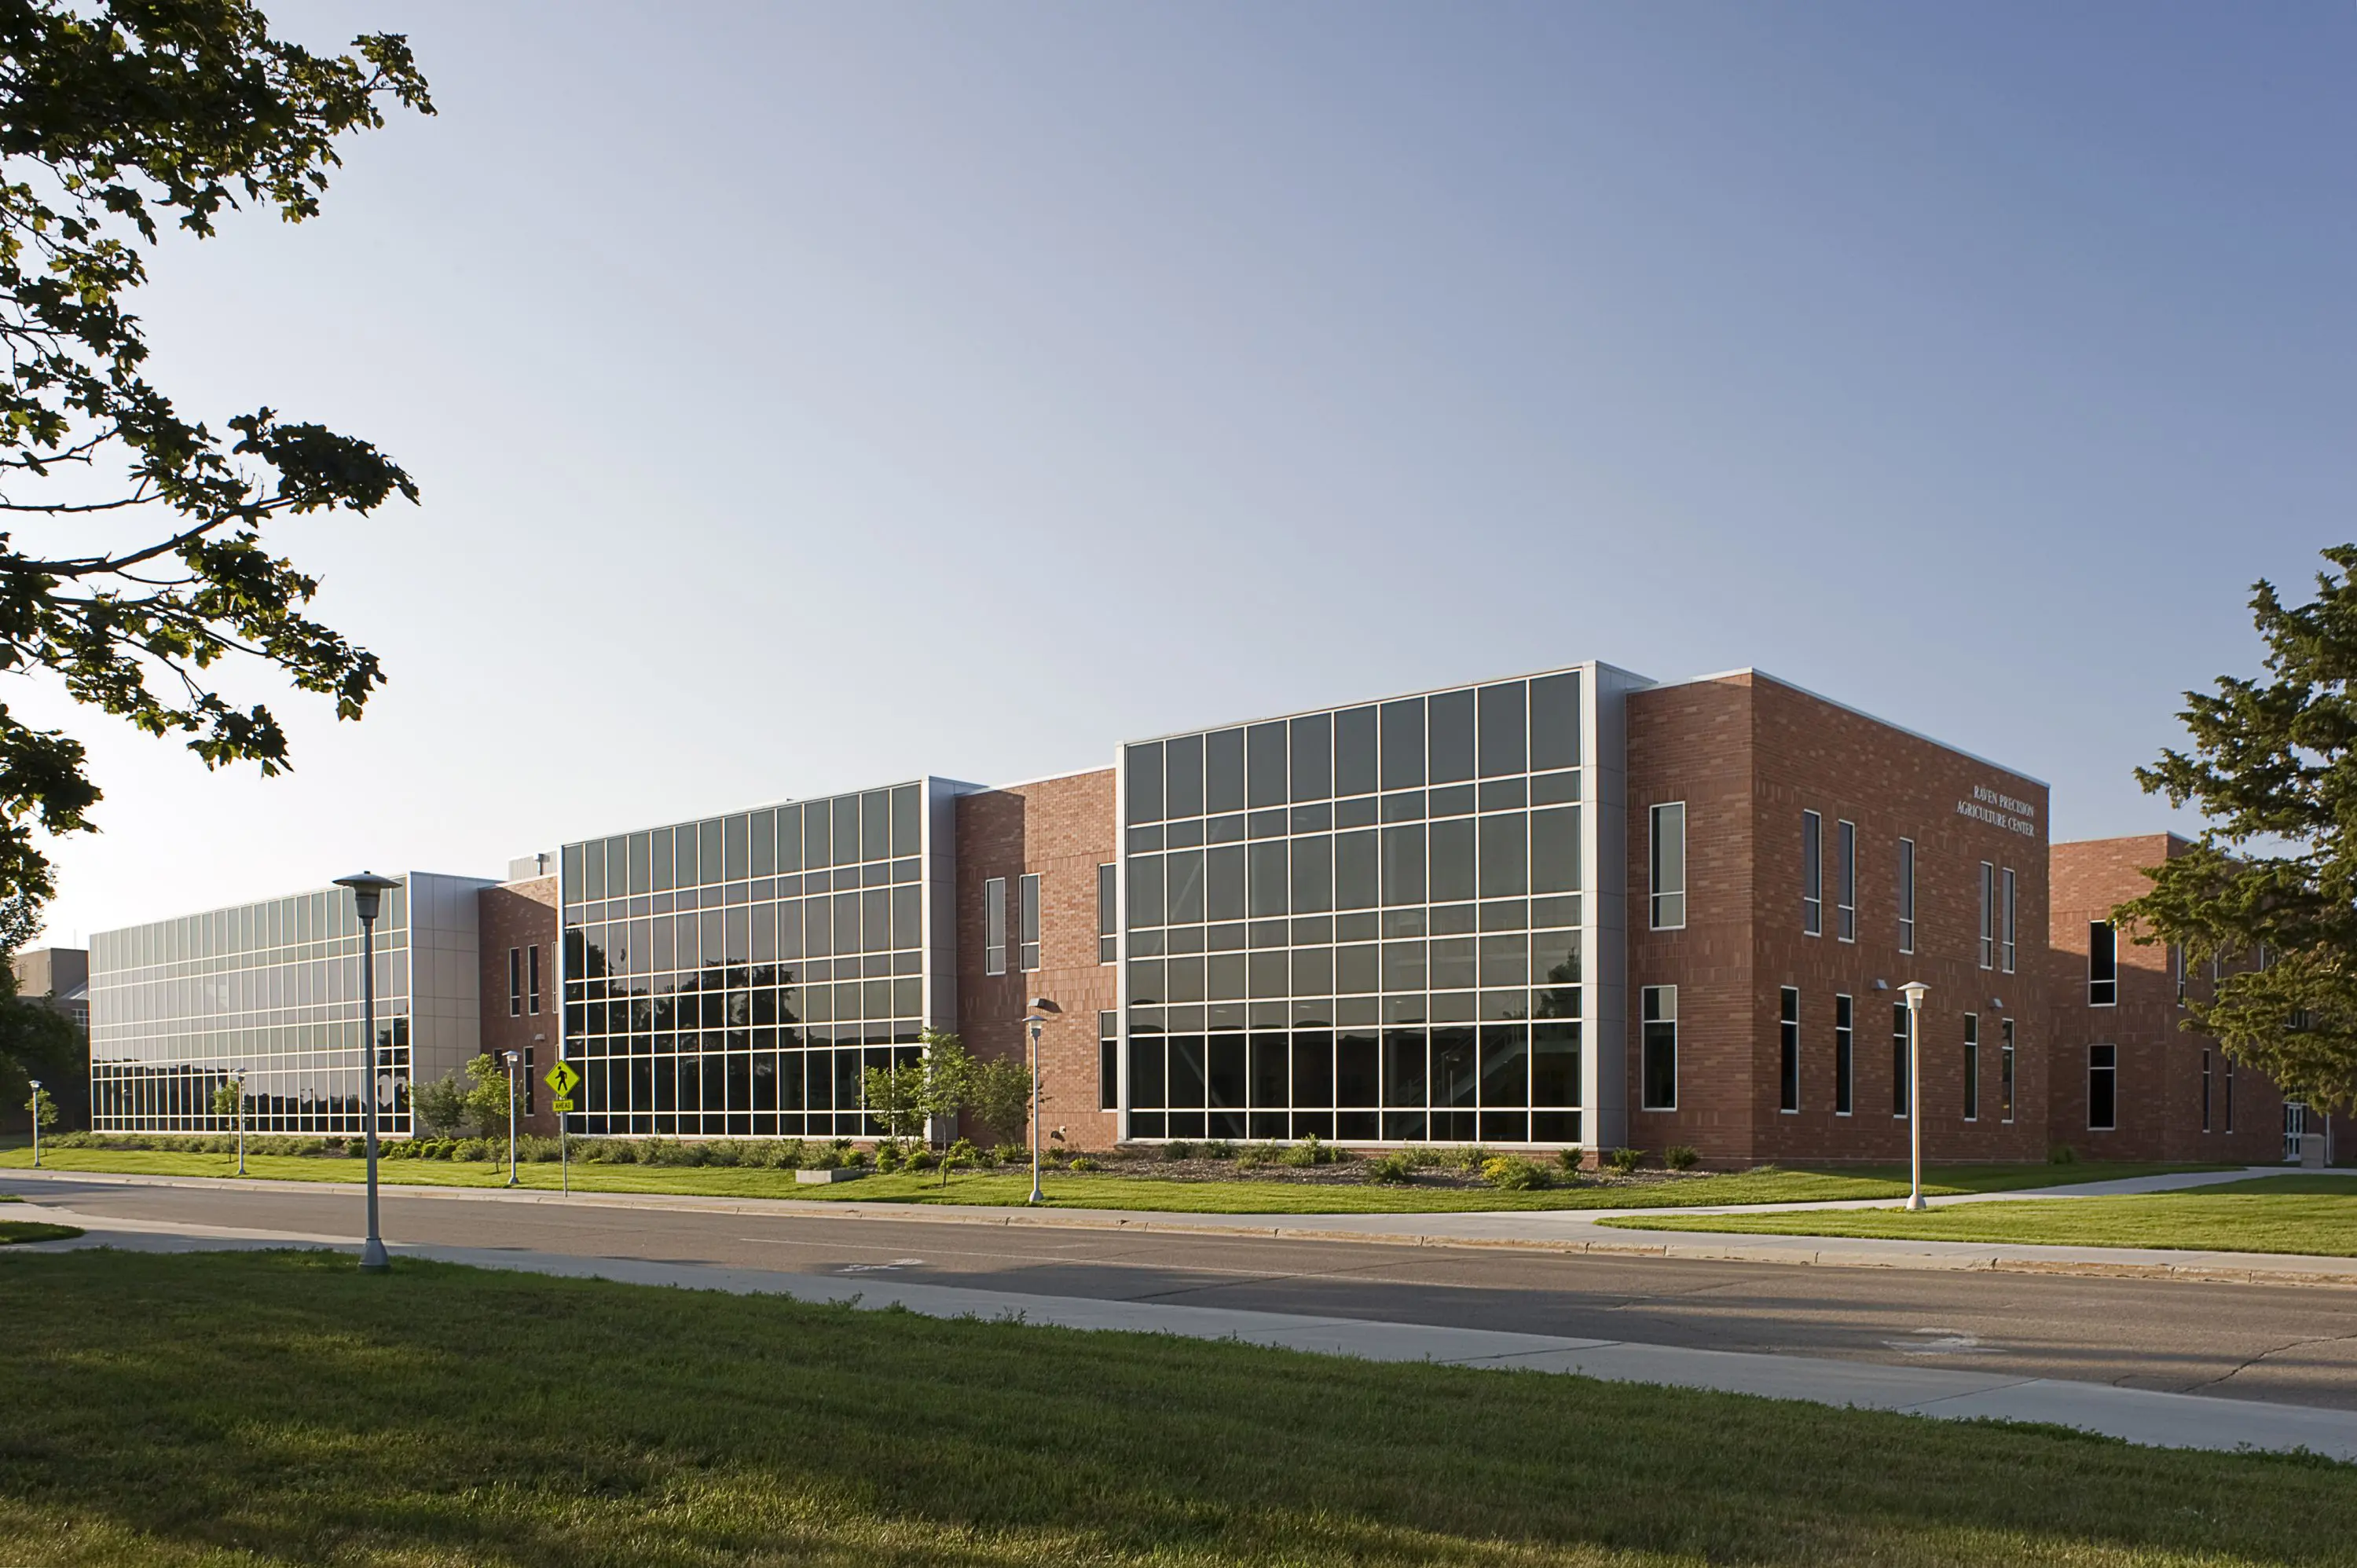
59	977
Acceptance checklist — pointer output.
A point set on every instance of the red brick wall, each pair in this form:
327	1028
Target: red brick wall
1750	754
518	915
2159	1082
1063	829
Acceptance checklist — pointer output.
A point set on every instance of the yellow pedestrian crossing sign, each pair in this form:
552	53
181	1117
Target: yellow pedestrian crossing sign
562	1079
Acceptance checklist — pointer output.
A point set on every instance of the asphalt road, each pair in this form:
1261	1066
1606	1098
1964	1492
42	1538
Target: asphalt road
2289	1344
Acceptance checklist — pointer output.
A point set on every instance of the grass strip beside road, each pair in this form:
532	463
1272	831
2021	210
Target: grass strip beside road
13	1232
1076	1190
2313	1215
275	1407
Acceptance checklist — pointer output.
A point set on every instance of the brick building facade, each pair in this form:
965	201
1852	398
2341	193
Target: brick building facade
517	957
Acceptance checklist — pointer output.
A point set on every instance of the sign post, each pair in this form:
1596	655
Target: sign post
563	1081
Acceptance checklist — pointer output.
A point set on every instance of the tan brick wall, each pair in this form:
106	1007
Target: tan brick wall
1063	829
1750	754
2160	1083
518	915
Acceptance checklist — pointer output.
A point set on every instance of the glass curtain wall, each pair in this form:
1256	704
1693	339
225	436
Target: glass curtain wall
732	976
270	990
1362	923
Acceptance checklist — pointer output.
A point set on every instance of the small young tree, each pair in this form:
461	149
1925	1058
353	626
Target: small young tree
437	1107
44	1107
948	1083
1002	1099
226	1095
486	1097
895	1096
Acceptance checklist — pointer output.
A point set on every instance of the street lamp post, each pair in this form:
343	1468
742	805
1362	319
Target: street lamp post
368	895
513	1058
237	1083
1035	1021
1915	991
36	1130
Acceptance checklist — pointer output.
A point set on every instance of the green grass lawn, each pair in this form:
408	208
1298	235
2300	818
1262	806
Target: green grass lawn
2310	1214
15	1230
262	1408
1069	1190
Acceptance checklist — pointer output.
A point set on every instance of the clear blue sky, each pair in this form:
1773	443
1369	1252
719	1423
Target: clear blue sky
808	396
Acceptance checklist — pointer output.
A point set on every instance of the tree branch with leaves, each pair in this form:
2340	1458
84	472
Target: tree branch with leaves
133	558
2271	885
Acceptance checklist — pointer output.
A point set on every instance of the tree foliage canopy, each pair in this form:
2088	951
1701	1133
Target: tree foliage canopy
132	558
2271	886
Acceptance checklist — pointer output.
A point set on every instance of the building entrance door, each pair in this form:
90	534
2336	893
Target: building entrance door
2295	1126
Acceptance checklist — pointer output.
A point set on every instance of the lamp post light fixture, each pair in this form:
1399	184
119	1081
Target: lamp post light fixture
237	1083
1036	1023
1915	991
513	1057
37	1130
368	898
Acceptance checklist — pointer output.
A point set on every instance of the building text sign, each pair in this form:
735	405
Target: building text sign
2000	810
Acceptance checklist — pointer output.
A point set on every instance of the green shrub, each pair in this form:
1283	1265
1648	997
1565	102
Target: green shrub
1177	1149
1216	1149
1624	1161
2061	1155
532	1147
472	1149
1082	1163
1512	1172
1310	1151
1012	1154
1568	1161
1681	1158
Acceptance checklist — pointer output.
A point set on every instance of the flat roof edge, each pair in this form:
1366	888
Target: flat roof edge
1759	674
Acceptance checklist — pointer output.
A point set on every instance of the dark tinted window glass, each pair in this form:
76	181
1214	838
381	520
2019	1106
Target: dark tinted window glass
818	921
846	830
1354	752
1313	875
1142	782
1554	723
875	921
618	883
1404	744
1555	849
1504	849
639	864
1452	860
818	836
1403	1067
1313	757
661	858
765	842
1355	885
875	825
570	864
1223	884
708	853
907	830
736	851
590	882
1555	1064
1186	892
1182	775
1449	717
1223	770
1504	749
789	838
908	917
1146	891
1403	863
1264	765
1269	892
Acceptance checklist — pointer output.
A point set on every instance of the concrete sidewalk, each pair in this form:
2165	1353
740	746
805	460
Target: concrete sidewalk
2141	1416
1569	1231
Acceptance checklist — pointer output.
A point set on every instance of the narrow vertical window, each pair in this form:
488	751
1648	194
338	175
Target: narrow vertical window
1668	861
1029	959
2229	1106
1813	875
1844	1068
2177	967
532	979
2102	1088
2007	950
1108	916
1658	1013
1988	915
515	982
1899	1059
1108	1061
1972	1066
1845	881
1907	895
2004	1068
2103	964
1788	1049
2205	1091
994	925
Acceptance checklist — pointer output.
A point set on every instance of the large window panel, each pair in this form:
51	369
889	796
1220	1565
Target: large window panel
1505	855
1185	874
1270	894
1452	860
1265	746
1223	883
1312	745
1183	776
1355	772
1505	741
1554	723
1142	782
1404	880
1313	875
1404	744
1449	736
1223	771
1357	883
